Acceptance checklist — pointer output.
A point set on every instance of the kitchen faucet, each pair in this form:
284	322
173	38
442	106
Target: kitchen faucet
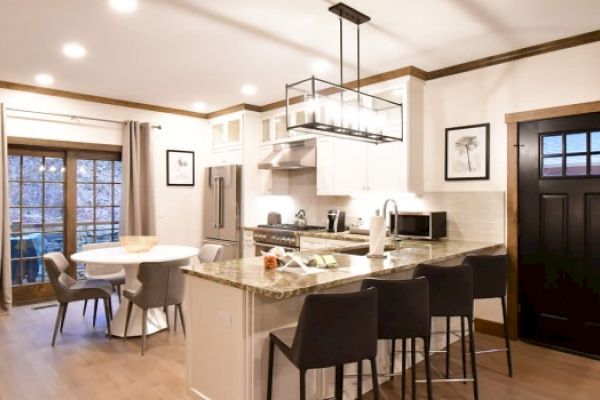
395	219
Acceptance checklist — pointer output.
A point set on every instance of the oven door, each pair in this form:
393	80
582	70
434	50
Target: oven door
260	248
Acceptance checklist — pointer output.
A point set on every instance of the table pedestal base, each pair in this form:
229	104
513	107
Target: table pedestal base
156	321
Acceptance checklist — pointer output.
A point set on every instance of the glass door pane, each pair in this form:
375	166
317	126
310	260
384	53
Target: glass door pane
36	192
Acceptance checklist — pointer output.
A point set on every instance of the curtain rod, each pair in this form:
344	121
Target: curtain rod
75	117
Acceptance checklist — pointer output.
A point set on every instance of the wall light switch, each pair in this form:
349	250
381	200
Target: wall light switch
224	319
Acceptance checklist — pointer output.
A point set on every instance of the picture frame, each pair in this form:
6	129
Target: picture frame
181	168
467	153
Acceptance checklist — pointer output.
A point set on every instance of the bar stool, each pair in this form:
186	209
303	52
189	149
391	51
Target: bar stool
489	282
333	330
403	313
451	295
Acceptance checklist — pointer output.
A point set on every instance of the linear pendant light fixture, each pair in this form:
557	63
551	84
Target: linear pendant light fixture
335	110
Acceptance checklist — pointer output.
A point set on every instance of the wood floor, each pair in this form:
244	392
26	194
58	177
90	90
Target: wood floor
85	365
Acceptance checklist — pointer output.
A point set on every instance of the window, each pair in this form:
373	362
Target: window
572	154
36	191
59	200
98	201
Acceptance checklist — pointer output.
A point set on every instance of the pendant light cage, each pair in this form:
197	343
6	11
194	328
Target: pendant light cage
334	110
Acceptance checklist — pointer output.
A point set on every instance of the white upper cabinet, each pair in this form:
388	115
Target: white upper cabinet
274	128
347	167
227	132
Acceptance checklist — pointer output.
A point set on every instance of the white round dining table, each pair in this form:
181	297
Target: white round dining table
131	262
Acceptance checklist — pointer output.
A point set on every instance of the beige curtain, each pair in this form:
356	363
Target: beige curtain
5	278
137	187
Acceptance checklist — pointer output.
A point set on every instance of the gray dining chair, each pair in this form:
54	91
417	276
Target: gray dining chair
210	253
115	274
175	292
68	290
154	279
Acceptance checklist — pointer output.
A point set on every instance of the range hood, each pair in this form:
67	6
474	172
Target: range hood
293	155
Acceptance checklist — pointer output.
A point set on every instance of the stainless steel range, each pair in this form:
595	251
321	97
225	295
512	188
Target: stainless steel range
282	235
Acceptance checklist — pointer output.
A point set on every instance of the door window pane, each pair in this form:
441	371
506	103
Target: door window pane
14	168
595	164
85	170
552	144
14	190
85	194
103	171
576	165
54	170
117	171
53	217
54	195
85	214
103	195
576	143
33	168
32	194
552	166
595	141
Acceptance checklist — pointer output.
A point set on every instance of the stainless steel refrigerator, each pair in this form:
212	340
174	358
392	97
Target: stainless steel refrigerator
222	209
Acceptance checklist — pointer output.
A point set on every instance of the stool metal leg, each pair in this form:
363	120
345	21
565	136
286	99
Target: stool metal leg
374	379
473	361
403	369
506	339
427	342
393	360
339	382
447	347
413	366
270	373
303	384
359	373
463	348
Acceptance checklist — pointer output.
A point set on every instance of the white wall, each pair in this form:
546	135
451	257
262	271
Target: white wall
485	95
179	209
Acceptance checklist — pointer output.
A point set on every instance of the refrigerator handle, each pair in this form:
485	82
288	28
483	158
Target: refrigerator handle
221	203
216	202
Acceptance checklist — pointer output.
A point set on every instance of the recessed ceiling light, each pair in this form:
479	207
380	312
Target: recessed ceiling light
249	90
320	66
44	79
199	106
74	50
124	6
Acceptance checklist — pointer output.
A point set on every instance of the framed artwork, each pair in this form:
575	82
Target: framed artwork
180	168
468	152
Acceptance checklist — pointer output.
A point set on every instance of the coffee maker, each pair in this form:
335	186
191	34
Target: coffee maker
336	221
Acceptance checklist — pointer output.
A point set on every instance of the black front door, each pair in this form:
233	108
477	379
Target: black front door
559	232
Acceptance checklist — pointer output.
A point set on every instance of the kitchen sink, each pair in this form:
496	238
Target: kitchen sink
354	251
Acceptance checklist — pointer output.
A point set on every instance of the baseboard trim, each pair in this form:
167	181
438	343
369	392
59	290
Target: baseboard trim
489	327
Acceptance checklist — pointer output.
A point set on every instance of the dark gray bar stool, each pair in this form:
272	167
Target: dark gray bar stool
489	282
333	330
451	295
403	313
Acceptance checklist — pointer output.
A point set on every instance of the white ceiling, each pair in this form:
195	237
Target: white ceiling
176	52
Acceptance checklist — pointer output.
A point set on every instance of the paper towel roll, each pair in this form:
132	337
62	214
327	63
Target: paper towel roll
377	235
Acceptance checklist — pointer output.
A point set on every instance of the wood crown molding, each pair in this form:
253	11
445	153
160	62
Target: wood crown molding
553	112
98	99
232	109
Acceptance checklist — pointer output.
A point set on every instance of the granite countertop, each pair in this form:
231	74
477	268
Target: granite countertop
323	234
250	274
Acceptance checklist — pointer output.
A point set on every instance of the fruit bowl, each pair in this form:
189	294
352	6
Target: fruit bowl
138	244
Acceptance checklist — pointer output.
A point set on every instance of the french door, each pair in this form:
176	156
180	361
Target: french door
59	200
559	232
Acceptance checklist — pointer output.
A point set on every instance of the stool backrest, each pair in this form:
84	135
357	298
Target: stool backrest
154	278
450	289
403	307
335	329
489	275
56	267
176	285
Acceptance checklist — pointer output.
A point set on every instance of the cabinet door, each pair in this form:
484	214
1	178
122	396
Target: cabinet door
234	131
351	165
218	134
325	166
280	127
265	130
387	168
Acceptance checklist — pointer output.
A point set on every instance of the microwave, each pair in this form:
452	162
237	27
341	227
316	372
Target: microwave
420	225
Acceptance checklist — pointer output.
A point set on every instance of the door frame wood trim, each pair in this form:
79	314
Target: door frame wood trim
512	194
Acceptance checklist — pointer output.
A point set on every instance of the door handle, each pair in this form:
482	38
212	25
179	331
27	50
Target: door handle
221	204
216	202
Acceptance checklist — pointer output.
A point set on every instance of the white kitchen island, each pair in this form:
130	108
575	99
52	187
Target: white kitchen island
232	306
